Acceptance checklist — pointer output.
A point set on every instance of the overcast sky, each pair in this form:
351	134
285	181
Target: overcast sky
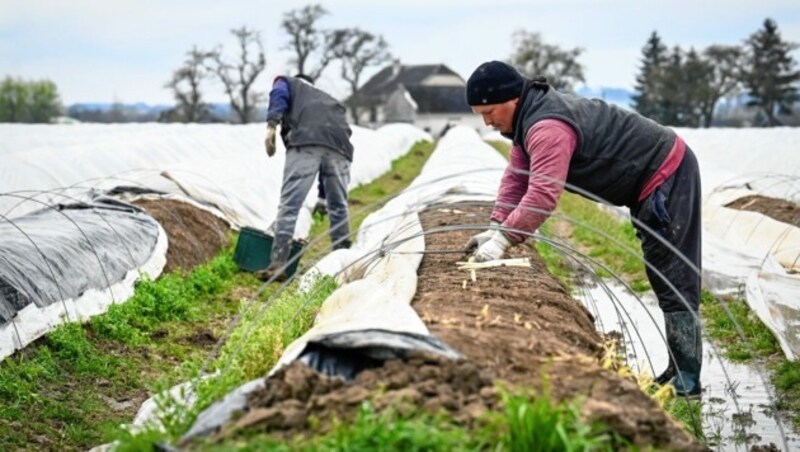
126	50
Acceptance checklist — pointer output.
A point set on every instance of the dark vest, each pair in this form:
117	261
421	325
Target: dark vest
315	118
617	151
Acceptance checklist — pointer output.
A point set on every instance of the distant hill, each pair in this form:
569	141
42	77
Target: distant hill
617	96
139	107
141	112
115	112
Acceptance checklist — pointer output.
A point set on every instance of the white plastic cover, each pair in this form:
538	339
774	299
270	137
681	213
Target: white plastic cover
223	166
743	249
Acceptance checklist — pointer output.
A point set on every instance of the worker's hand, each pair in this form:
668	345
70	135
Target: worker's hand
479	239
492	249
270	141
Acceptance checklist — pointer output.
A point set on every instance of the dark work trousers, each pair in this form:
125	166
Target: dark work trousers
320	188
299	174
672	211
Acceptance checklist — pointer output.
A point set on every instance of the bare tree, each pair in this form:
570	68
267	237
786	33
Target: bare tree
533	57
725	63
357	50
238	78
185	86
306	39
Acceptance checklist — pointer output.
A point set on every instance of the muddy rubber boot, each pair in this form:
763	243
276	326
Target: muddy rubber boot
344	244
281	247
667	375
685	342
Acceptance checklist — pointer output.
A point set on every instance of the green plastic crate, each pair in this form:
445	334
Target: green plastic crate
253	251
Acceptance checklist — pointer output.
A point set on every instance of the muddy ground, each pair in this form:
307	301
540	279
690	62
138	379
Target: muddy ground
777	209
195	235
515	326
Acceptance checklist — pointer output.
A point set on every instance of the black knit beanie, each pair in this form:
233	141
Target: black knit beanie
493	82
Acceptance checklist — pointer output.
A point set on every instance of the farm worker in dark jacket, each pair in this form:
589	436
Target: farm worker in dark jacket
605	152
315	132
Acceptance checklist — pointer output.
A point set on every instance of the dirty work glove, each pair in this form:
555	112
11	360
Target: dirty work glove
270	141
479	239
492	249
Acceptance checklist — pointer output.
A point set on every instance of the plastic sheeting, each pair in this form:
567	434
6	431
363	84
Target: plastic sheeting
747	253
68	262
758	233
750	251
348	353
219	165
773	296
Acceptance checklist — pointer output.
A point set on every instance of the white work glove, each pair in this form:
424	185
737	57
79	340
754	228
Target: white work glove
492	249
270	141
479	239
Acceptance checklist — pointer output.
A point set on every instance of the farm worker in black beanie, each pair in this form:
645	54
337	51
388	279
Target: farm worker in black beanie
606	154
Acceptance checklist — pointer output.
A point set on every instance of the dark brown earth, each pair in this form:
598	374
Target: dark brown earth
514	326
195	235
296	393
777	209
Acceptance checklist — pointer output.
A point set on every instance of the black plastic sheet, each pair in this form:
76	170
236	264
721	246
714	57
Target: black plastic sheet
348	353
60	252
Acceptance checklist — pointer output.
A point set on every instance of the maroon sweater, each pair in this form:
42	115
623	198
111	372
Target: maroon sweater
531	188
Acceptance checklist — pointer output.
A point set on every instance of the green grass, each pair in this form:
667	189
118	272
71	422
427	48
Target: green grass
720	324
786	378
251	350
757	343
527	423
605	238
371	430
689	413
537	424
65	390
554	259
266	330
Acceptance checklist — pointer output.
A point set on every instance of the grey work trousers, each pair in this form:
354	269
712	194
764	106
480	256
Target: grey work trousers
299	174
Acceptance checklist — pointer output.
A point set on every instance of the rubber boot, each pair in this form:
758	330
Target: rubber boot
279	256
667	375
685	342
344	244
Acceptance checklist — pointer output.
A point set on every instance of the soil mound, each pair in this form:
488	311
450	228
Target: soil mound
522	323
195	235
297	393
777	209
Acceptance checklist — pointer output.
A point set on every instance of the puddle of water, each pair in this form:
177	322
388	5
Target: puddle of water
736	402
